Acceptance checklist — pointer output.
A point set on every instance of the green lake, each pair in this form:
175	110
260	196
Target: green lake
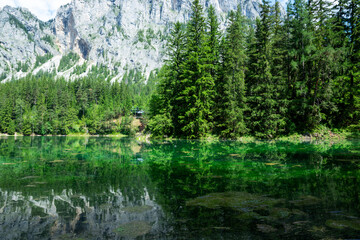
111	188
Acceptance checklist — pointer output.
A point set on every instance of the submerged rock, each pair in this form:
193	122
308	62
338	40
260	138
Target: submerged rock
248	216
306	201
265	228
344	224
134	229
280	212
240	201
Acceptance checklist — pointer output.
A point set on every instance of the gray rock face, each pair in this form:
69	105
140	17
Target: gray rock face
126	33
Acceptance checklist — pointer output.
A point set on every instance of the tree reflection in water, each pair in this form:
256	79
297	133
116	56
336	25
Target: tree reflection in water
69	187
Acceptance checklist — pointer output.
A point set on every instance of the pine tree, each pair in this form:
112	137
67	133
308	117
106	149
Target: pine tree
214	36
231	86
196	92
302	112
163	110
266	117
354	98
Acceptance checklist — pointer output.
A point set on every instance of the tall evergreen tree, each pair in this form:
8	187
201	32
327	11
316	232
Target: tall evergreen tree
214	36
266	119
163	103
197	84
354	70
231	86
303	112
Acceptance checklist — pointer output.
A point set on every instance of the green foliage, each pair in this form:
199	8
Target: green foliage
3	76
68	61
49	40
140	36
195	97
277	76
230	84
11	128
14	21
150	35
284	182
80	69
24	67
40	60
265	91
45	105
160	125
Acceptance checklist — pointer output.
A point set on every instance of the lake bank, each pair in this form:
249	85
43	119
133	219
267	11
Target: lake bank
327	135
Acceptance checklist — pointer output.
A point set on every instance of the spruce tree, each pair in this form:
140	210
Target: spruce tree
354	52
231	86
196	93
302	112
266	118
163	110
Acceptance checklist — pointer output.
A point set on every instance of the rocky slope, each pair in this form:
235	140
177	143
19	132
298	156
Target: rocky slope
119	34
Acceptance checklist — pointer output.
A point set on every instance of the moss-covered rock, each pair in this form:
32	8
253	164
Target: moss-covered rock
344	224
280	213
240	201
306	201
265	228
248	216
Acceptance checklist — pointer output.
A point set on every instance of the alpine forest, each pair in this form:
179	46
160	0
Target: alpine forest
287	72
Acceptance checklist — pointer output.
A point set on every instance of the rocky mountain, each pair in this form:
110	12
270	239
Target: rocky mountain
118	34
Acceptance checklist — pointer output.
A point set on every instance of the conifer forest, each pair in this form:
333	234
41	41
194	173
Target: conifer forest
285	73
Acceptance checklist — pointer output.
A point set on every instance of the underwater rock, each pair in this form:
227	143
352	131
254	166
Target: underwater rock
240	201
134	229
280	213
316	229
265	228
137	209
248	216
306	201
298	212
344	224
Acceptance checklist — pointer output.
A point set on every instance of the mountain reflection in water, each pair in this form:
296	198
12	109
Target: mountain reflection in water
109	188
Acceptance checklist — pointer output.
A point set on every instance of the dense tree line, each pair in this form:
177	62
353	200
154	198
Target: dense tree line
278	75
43	104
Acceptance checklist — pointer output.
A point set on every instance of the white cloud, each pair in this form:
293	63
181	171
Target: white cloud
43	9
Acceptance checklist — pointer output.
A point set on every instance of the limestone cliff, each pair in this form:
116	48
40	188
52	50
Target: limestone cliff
120	34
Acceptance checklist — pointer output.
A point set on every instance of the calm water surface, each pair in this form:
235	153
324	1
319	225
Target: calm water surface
108	188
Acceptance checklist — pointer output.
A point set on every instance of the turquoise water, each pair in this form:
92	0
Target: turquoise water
109	188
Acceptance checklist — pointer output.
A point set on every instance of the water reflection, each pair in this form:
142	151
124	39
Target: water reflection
104	188
70	214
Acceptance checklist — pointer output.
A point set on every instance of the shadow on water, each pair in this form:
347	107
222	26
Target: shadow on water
108	188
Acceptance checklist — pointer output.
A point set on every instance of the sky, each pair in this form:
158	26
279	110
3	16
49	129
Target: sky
43	9
46	9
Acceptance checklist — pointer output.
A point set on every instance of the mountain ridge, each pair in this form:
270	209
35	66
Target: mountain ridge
119	34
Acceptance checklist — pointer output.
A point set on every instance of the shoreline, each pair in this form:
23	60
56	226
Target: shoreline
245	139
